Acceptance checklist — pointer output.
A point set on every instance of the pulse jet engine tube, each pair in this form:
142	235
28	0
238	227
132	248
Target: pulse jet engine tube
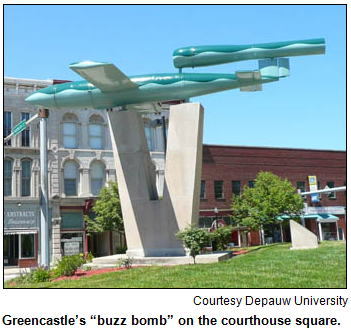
207	55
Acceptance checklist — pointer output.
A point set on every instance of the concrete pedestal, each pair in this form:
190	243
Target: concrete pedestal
301	237
152	220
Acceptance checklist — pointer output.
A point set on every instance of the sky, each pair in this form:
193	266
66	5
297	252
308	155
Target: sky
305	110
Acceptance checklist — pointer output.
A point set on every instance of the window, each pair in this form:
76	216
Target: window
7	178
218	189
7	126
319	187
25	178
69	135
70	178
148	136
25	135
205	222
27	246
72	220
251	183
72	243
332	195
203	189
236	187
95	136
300	185
97	177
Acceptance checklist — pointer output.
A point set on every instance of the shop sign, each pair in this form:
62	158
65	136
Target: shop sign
71	248
312	180
25	216
339	210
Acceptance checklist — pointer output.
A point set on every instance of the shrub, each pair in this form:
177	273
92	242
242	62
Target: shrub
222	236
89	257
194	239
125	262
35	275
68	265
41	274
121	250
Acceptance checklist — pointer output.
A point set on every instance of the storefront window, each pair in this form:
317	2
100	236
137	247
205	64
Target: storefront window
27	246
72	243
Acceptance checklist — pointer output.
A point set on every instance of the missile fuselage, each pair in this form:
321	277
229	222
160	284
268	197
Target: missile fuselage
115	89
151	88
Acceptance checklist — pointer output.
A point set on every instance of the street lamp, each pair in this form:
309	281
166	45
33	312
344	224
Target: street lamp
214	244
216	212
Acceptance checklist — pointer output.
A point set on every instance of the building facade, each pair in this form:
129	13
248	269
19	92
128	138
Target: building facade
80	162
227	169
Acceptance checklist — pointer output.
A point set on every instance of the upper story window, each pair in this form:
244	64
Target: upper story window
69	131
203	189
218	189
251	183
96	132
300	185
7	177
70	175
25	177
7	126
236	187
97	177
332	195
25	134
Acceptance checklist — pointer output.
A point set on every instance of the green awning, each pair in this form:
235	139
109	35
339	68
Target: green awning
319	217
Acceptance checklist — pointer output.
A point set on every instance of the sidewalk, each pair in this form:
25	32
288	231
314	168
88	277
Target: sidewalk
13	272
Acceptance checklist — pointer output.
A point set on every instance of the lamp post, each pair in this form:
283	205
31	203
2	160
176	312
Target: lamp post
216	213
214	244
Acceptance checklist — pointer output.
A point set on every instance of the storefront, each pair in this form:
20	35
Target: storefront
72	239
21	230
328	223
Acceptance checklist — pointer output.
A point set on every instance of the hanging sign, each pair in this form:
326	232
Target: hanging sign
312	180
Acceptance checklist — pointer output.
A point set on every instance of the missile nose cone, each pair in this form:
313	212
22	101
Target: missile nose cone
41	99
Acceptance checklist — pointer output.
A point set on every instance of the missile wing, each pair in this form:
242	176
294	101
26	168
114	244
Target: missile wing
105	76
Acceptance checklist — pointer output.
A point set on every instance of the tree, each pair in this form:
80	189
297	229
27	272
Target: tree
194	239
262	205
222	236
108	211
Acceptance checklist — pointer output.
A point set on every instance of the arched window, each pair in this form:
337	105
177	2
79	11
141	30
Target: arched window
70	175
69	131
96	132
7	177
97	172
25	177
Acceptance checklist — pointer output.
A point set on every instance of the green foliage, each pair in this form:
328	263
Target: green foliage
41	275
194	239
222	236
35	275
87	268
68	265
121	250
89	257
108	211
263	204
125	262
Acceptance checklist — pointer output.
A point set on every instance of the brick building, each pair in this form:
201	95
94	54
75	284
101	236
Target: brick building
226	169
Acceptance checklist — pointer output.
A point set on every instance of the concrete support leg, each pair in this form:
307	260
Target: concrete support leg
150	224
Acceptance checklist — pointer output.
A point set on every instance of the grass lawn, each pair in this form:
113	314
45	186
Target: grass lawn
273	266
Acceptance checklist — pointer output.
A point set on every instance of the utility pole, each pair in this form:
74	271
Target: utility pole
44	197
